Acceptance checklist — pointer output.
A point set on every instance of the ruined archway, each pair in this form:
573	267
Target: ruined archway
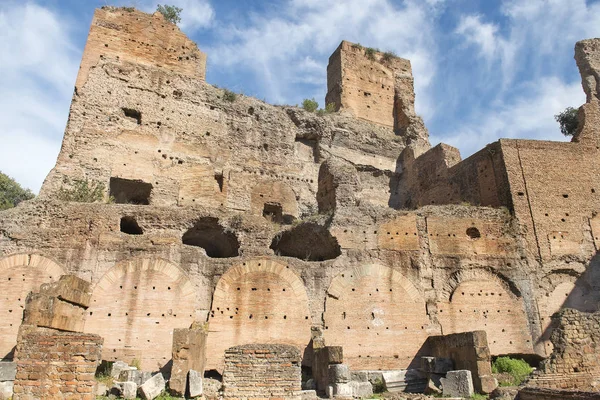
308	241
477	299
20	274
563	291
135	307
212	237
378	316
258	301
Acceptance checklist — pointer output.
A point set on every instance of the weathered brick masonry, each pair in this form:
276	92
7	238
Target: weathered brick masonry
56	365
262	371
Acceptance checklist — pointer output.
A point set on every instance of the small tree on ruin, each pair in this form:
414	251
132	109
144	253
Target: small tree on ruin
171	13
568	121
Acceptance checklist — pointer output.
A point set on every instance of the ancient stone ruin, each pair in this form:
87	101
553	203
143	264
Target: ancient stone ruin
269	249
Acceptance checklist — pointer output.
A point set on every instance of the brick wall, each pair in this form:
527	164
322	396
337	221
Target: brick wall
262	371
575	361
550	394
56	365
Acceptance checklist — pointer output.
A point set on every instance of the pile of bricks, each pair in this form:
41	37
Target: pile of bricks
262	370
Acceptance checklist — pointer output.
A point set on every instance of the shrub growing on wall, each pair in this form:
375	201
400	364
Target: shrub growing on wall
82	191
518	369
310	105
171	13
11	193
568	121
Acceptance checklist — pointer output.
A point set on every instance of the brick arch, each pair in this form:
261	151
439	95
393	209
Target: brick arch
258	301
564	289
370	307
477	274
136	305
20	274
482	300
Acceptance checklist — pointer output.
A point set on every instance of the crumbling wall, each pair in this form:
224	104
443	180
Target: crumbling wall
262	371
189	353
575	361
56	365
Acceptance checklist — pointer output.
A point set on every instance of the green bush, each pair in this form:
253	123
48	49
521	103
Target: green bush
388	56
83	191
568	121
310	105
370	53
229	96
518	369
378	386
329	108
357	46
171	13
11	193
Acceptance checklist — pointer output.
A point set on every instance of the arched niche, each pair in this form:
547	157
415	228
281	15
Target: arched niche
378	316
566	290
20	274
136	305
258	301
481	300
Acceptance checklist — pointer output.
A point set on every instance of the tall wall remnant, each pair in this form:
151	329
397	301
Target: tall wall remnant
377	87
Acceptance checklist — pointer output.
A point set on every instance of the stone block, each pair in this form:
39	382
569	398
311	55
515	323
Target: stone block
72	289
458	384
188	353
339	390
361	390
359	376
308	395
195	386
153	387
118	367
51	312
436	365
129	390
335	354
101	389
131	374
339	373
6	390
8	371
488	383
409	380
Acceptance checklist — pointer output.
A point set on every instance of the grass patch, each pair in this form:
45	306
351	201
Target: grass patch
517	369
388	56
370	53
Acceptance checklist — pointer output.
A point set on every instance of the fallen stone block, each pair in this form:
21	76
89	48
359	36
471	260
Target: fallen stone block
72	289
361	390
153	387
359	376
129	390
339	373
409	380
118	367
6	390
101	389
195	386
134	375
8	371
488	383
458	384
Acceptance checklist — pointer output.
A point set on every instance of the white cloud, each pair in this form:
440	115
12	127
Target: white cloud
284	49
530	116
38	65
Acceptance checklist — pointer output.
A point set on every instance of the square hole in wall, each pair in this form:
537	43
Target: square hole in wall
129	191
273	212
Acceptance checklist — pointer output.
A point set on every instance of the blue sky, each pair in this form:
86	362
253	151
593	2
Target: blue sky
484	69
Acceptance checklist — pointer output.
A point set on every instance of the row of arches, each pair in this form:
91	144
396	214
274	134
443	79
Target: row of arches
378	314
